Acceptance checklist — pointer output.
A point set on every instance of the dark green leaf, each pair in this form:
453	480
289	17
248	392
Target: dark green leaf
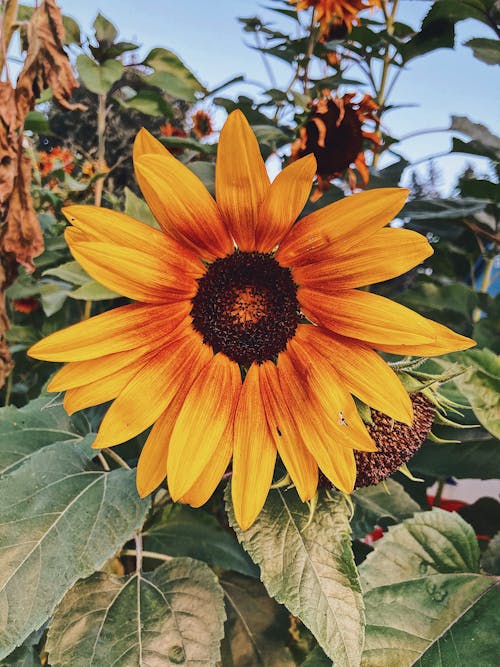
187	532
137	208
490	560
481	136
71	30
98	78
105	31
380	505
317	658
171	616
150	102
61	518
307	564
170	74
257	627
37	122
457	10
487	50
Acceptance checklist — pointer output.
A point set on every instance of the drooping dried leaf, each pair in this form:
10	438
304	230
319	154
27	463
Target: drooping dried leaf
46	64
8	145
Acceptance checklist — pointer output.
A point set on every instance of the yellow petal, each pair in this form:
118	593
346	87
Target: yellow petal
325	389
78	373
299	463
445	340
182	205
254	454
340	226
145	143
208	409
117	330
284	202
365	316
241	180
105	389
363	372
386	254
212	473
133	273
109	226
152	464
149	393
325	442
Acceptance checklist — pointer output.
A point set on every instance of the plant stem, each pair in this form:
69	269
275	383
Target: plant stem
101	147
439	493
117	458
146	554
87	310
8	389
485	283
103	461
138	552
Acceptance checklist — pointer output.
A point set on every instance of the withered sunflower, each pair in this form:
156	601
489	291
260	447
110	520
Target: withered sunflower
328	12
217	353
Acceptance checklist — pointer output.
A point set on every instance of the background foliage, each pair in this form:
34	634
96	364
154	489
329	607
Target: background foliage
90	574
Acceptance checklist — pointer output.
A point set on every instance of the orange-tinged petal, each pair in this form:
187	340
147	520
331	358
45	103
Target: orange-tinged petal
145	143
241	180
105	389
104	224
300	464
445	340
363	372
212	473
340	226
386	254
324	387
123	328
182	205
152	464
325	442
254	454
149	393
365	316
132	273
284	202
208	409
79	373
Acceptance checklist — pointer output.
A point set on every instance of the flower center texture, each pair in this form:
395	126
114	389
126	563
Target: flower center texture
246	307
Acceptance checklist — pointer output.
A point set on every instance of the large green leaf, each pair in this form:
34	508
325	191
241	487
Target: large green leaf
428	543
307	564
485	49
257	628
23	431
183	531
60	519
425	602
171	616
380	505
445	619
137	208
170	74
70	272
98	78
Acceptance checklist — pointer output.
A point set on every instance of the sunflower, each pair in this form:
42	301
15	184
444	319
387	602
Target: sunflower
217	353
335	12
335	134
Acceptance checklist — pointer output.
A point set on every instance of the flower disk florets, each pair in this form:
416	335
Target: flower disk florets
246	307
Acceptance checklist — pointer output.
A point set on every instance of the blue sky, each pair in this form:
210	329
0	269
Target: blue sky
209	38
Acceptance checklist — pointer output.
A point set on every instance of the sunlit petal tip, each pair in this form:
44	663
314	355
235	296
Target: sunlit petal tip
145	143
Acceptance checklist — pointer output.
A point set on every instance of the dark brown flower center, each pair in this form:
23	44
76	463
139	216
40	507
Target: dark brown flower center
246	307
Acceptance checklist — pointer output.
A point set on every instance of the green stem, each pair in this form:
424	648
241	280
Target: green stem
8	388
101	147
146	554
117	458
485	283
439	493
87	310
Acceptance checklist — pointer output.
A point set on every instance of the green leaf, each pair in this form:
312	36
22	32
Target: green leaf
317	658
205	172
183	531
170	74
93	291
428	297
380	504
37	122
104	30
436	542
23	431
70	272
150	102
483	140
307	564
443	209
458	10
61	518
436	34
71	31
425	604
98	78
257	628
53	296
171	616
487	50
445	619
490	560
137	208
